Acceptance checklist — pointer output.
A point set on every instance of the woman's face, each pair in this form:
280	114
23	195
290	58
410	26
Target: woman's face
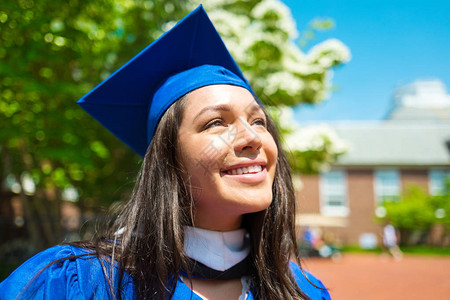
228	155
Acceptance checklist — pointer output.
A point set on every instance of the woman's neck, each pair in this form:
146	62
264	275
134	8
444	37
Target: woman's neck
214	223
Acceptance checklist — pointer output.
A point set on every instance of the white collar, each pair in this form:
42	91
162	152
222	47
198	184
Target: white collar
217	250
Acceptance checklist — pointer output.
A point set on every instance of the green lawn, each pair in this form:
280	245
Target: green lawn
421	250
426	250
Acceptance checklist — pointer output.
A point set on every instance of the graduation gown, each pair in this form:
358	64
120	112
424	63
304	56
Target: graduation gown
83	278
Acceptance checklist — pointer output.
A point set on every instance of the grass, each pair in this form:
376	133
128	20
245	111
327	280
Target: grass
357	249
426	250
419	250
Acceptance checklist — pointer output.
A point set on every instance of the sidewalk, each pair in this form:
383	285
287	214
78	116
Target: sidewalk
367	277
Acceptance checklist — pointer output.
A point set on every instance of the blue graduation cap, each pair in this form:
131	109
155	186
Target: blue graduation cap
131	101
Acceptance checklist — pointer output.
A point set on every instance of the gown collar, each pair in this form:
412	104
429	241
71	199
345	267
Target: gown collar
217	250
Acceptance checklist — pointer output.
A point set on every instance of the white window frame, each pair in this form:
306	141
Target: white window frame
390	189
328	189
436	181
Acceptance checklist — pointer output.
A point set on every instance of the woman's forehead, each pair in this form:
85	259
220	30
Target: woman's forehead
221	97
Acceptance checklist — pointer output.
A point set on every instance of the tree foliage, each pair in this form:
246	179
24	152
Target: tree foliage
53	52
261	36
418	211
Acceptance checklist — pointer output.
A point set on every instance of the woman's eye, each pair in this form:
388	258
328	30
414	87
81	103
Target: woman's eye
213	123
260	122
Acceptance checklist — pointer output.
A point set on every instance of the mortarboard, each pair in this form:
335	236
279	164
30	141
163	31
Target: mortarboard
131	101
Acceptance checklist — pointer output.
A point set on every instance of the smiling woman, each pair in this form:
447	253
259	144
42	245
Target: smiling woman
212	212
228	155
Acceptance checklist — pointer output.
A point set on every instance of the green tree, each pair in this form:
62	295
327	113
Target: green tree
441	204
418	212
53	52
261	36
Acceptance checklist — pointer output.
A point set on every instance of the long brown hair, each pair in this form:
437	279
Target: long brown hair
146	239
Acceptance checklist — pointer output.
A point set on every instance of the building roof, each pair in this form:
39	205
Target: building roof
395	143
433	115
416	131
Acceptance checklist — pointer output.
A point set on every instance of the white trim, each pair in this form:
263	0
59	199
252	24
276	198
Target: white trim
378	186
318	220
432	187
329	210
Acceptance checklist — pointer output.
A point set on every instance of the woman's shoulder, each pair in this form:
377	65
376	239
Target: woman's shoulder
309	284
64	272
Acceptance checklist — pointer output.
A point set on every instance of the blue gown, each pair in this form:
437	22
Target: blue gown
83	278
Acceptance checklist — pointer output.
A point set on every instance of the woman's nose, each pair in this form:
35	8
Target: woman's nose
246	137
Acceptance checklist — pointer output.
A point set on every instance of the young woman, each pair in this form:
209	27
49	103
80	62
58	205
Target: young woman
212	213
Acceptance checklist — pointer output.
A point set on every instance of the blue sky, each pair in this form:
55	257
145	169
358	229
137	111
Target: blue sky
392	43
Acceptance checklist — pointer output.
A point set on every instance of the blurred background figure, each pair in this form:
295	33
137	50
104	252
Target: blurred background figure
316	244
390	241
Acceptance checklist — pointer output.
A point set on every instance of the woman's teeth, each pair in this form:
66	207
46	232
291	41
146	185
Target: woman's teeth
245	170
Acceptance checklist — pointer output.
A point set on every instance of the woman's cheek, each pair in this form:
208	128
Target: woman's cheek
202	158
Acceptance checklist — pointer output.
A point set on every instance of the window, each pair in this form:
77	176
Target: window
437	180
387	185
333	190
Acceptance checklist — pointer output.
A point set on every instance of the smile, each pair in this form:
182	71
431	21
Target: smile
245	170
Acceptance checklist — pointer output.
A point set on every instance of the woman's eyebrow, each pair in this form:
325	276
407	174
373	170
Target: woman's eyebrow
218	107
254	107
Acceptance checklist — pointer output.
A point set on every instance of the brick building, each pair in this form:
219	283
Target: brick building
409	148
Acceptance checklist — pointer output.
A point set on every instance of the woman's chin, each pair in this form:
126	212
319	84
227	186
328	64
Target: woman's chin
255	204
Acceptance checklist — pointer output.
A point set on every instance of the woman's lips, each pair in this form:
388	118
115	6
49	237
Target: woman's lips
251	174
244	170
